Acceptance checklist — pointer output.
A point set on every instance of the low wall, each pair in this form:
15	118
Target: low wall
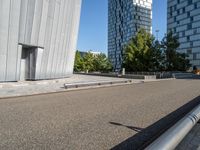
128	76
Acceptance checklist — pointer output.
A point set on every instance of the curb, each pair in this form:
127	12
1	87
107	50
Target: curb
92	84
69	90
110	84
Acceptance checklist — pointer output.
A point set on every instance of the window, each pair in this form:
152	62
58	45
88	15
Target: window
192	19
184	10
195	6
189	2
189	26
189	51
188	14
183	33
178	12
191	44
195	31
188	38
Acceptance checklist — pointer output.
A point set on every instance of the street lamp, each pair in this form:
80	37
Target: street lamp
157	34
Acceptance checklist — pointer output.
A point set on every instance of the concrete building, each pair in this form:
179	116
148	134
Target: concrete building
184	21
38	38
125	18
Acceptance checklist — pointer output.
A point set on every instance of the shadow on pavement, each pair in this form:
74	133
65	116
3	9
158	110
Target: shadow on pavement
136	129
142	139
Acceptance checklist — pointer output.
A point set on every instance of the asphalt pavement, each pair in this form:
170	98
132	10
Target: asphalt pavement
120	117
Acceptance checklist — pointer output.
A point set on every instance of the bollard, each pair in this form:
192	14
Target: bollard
123	71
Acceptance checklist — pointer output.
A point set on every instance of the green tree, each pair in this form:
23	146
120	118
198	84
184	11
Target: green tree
88	62
92	62
142	53
174	61
101	63
156	58
170	44
78	64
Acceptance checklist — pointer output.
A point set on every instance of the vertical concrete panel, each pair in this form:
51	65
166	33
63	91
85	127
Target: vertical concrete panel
36	22
58	38
38	62
64	35
4	24
69	64
63	50
67	44
18	63
13	40
43	23
29	21
53	39
22	26
48	34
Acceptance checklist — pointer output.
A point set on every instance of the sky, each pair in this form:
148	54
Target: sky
94	24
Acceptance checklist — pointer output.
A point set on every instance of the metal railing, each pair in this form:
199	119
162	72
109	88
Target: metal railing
172	137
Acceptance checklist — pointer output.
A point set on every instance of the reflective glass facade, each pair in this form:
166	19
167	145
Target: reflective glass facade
125	18
184	21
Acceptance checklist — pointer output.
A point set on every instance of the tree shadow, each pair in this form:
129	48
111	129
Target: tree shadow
136	129
142	139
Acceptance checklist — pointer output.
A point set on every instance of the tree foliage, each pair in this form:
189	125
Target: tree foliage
144	53
102	63
92	62
78	64
174	61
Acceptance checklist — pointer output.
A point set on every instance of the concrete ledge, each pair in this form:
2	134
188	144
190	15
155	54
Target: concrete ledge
128	76
91	84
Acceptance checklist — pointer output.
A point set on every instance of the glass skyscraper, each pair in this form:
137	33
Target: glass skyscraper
184	22
125	18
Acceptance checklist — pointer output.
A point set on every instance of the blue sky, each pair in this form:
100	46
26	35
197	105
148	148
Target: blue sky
94	18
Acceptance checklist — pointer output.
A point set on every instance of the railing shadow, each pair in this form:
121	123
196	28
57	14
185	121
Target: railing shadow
146	136
136	129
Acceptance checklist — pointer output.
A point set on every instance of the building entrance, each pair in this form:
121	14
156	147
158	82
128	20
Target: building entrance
28	63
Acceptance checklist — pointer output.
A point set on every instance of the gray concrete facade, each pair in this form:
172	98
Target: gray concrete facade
38	38
184	21
125	19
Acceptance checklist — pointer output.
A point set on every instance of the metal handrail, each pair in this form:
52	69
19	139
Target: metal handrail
172	137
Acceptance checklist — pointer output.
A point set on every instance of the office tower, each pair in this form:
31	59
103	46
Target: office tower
183	20
38	38
125	19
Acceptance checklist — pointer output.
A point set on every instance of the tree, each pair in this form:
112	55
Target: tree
156	60
101	63
170	44
142	53
92	62
88	62
182	63
78	64
174	61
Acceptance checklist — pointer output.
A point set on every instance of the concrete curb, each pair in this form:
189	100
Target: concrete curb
71	90
91	84
97	85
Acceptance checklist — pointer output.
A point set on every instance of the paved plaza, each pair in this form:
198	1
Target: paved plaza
119	117
48	86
